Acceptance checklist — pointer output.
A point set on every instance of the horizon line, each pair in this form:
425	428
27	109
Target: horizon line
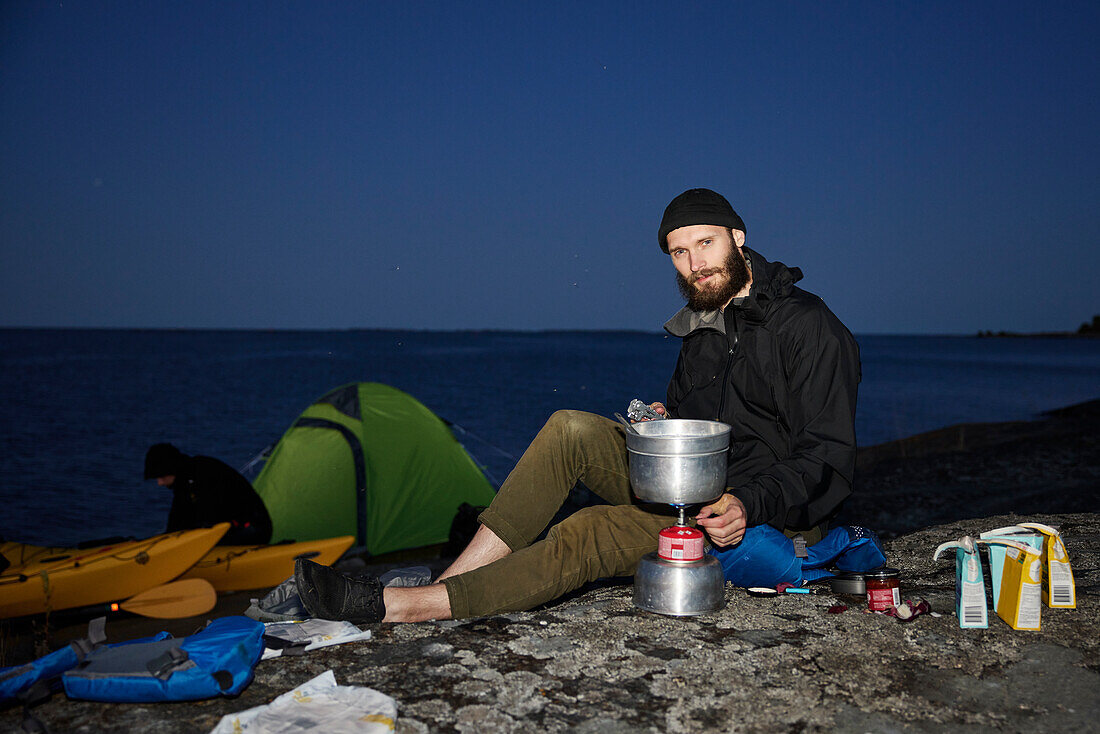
980	333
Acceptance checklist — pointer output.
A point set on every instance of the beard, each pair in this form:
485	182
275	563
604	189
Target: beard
713	297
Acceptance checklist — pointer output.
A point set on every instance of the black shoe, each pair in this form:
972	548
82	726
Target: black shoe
328	594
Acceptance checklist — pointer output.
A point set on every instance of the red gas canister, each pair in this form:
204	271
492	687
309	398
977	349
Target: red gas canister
680	543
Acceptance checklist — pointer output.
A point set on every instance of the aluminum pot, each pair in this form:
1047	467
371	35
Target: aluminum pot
679	588
677	461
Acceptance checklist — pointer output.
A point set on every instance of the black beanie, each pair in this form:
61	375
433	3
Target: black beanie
697	206
162	460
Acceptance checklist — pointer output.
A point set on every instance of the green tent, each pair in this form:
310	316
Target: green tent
371	461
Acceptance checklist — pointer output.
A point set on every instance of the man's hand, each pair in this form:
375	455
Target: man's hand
660	408
723	520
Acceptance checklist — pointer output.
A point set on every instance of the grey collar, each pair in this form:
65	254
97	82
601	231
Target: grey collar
686	321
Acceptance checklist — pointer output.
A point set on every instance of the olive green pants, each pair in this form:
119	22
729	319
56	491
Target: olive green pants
593	543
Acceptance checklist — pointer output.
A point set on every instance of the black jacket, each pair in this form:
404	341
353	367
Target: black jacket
208	491
783	371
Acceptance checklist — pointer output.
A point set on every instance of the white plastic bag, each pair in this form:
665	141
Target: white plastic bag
318	705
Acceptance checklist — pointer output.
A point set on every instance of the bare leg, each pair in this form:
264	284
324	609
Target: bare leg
416	603
421	603
571	446
484	548
596	542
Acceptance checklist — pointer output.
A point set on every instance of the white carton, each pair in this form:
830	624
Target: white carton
970	604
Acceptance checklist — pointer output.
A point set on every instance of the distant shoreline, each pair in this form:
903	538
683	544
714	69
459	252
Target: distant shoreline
1037	335
1087	330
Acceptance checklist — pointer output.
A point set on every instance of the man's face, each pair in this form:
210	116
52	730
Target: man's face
166	481
710	268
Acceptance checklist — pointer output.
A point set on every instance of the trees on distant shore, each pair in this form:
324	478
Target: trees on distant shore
1089	328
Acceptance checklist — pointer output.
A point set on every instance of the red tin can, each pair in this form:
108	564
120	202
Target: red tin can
680	543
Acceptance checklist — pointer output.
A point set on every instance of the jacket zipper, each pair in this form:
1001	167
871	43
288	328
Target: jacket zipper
778	415
729	366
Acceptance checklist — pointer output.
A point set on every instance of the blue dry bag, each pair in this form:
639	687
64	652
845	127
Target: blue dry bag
766	557
216	661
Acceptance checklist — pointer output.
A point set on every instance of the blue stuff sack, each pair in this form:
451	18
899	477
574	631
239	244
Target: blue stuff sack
216	661
766	557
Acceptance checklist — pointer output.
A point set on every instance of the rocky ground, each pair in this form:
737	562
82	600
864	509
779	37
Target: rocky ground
593	662
1050	465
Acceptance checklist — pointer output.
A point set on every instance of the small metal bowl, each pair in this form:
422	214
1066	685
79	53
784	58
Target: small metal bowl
847	582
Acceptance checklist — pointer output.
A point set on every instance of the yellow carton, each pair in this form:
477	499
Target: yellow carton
1020	602
1059	590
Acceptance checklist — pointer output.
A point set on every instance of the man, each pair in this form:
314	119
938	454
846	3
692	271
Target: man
206	492
757	353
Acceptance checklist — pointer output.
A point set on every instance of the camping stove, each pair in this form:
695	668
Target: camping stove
680	463
679	579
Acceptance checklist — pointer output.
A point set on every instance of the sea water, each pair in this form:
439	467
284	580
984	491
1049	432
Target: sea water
80	407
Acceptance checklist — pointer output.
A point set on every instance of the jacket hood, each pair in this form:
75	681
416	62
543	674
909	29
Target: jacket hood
162	460
770	282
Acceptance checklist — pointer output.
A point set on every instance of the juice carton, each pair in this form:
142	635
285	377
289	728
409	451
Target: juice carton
970	606
1059	591
1015	533
1020	600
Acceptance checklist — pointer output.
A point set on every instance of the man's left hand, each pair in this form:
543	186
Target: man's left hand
723	520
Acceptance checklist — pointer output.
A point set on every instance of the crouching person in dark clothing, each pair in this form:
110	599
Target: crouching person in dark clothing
207	491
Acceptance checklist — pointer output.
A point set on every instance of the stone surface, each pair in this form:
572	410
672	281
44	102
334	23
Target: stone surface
595	663
1048	465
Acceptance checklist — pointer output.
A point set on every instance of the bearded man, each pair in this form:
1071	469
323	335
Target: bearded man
757	352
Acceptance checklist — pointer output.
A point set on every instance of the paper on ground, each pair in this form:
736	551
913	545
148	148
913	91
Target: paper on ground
318	705
317	632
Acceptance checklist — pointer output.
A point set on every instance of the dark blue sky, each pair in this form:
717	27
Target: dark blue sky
932	167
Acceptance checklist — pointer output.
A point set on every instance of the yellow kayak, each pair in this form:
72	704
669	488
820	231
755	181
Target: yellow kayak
240	567
47	579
